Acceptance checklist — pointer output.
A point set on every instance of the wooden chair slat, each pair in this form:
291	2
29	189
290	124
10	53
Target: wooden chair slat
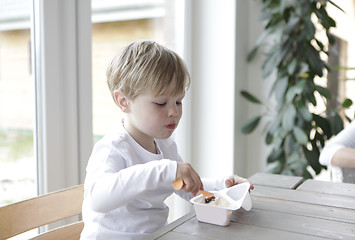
68	232
22	216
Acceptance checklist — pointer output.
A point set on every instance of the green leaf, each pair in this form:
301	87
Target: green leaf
320	138
314	59
293	157
304	112
304	69
336	68
278	138
312	158
291	25
274	124
337	124
279	88
300	136
290	144
297	166
348	118
288	119
287	172
250	97
335	5
324	124
309	29
331	38
303	9
320	44
324	92
252	54
306	174
291	68
275	168
311	98
270	65
285	49
250	125
276	154
347	103
268	138
324	18
295	90
263	36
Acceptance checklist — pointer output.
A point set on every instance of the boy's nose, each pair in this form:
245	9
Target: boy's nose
173	111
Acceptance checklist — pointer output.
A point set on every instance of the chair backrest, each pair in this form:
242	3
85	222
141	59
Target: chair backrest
22	216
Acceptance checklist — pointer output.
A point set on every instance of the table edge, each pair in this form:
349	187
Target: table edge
171	226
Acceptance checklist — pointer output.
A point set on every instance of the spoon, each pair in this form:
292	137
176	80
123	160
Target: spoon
179	183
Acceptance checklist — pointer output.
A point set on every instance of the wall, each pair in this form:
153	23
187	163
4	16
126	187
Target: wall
221	36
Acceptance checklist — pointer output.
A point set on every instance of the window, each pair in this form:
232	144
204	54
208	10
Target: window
17	104
46	109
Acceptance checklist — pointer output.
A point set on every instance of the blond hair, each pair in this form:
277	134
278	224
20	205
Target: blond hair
146	65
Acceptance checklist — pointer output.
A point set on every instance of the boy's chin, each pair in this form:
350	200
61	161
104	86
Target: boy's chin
165	136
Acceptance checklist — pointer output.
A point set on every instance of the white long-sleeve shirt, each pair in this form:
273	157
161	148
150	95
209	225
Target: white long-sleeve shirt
125	187
346	138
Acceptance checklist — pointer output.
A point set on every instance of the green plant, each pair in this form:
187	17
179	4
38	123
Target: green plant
293	62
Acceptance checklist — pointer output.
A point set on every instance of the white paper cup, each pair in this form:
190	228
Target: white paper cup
237	197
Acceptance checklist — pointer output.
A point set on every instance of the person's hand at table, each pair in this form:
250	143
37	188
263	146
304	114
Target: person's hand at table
234	180
191	179
344	157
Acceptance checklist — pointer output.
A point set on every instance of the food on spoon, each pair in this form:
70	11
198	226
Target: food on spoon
216	201
209	199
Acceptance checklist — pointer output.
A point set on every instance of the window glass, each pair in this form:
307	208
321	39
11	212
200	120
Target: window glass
115	25
17	105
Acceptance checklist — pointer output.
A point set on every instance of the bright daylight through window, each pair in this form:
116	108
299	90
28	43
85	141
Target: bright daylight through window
17	103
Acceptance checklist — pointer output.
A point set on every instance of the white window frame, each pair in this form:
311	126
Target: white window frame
62	32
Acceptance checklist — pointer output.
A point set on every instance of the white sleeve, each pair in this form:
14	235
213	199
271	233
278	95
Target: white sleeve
327	153
346	138
113	190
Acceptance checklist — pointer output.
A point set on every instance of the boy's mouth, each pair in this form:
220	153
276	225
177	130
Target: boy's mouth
171	126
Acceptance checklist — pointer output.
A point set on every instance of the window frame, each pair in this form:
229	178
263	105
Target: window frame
62	57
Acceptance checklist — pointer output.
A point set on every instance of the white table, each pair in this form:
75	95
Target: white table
284	207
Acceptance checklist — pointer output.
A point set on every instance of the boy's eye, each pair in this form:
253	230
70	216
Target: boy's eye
178	103
160	104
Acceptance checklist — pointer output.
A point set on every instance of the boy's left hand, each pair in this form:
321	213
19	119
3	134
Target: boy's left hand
234	180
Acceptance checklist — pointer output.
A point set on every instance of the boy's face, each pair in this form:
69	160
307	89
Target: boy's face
154	117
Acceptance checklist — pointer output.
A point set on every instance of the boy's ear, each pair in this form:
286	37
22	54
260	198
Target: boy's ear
122	101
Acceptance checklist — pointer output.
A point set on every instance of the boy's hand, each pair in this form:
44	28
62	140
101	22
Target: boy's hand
234	180
191	179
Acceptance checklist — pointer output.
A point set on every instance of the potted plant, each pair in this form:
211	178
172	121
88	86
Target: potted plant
293	61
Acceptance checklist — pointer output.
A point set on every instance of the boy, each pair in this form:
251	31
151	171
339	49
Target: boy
131	169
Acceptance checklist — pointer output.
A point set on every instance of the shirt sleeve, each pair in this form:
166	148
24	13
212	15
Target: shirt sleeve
115	189
346	138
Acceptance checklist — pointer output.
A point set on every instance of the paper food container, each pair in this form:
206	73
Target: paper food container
236	196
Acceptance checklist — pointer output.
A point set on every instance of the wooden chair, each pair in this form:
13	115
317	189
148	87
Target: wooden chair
22	216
